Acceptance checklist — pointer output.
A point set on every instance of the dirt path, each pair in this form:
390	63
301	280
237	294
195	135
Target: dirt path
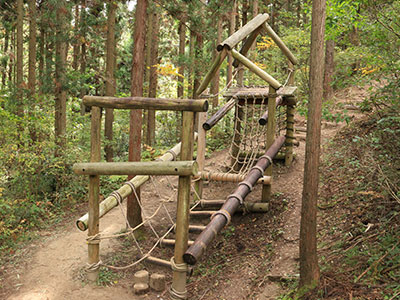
52	269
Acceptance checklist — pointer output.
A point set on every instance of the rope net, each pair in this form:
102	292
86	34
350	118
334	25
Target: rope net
249	138
160	221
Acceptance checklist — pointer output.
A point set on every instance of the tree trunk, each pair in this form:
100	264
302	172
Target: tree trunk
60	73
76	44
309	270
32	46
255	13
110	78
215	80
135	131
232	24
181	72
329	69
151	118
191	55
83	51
6	43
20	57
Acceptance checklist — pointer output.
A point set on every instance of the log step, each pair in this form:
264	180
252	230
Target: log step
164	263
171	242
195	228
249	206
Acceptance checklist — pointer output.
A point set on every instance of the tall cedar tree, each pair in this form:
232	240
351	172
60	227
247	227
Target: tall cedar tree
135	131
309	270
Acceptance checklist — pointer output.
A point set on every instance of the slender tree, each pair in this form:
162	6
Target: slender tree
110	77
60	73
20	57
135	131
232	26
32	46
309	270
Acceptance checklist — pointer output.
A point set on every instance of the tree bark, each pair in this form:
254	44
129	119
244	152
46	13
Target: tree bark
232	25
329	69
83	50
32	46
20	63
76	44
5	49
151	118
60	73
135	131
309	270
215	81
110	78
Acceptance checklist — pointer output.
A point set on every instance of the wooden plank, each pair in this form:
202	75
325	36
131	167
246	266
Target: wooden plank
198	105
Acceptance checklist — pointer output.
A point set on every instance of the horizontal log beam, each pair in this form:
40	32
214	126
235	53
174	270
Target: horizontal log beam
227	177
111	201
199	105
221	218
256	69
248	206
215	118
181	168
164	263
171	242
280	44
241	34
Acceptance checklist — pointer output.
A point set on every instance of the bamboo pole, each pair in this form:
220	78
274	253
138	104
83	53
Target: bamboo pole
226	177
182	168
110	202
280	44
94	196
241	34
266	190
256	70
197	105
215	118
214	68
178	288
233	201
201	153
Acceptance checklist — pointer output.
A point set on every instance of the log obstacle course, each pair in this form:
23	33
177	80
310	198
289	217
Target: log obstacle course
259	162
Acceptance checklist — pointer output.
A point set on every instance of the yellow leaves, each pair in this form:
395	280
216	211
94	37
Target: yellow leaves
1	191
265	44
367	70
260	65
168	70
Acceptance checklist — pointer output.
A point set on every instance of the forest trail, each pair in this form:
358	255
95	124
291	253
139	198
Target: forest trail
51	268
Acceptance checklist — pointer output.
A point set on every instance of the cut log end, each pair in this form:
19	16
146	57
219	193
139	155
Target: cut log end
206	126
81	225
189	259
262	122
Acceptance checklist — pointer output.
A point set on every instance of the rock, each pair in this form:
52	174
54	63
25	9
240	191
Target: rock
157	282
140	288
141	277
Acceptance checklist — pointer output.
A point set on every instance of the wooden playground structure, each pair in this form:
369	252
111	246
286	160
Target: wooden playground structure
257	158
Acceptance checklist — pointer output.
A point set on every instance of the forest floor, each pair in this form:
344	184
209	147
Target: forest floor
253	258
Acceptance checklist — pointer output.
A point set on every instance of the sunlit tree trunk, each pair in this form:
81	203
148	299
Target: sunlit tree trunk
329	68
232	25
76	43
20	58
309	270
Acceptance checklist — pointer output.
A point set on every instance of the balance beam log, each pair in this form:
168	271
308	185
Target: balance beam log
198	105
222	217
181	168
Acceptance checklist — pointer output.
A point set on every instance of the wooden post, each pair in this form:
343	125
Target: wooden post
201	153
266	191
290	110
94	195
179	267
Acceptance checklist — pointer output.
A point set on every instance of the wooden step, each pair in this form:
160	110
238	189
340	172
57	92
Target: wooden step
171	242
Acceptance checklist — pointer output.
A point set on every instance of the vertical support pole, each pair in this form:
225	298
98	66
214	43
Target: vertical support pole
290	110
179	267
236	137
94	195
201	153
266	191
